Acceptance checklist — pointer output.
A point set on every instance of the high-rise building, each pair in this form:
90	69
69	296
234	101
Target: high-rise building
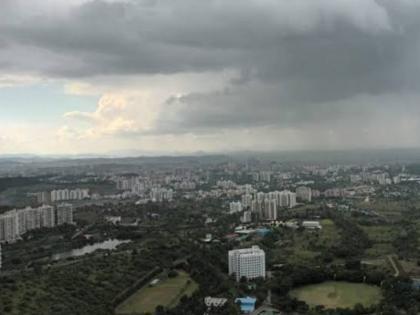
161	194
47	216
65	194
248	263
247	200
64	213
287	199
28	219
270	209
246	217
15	223
304	193
43	197
265	176
9	226
235	206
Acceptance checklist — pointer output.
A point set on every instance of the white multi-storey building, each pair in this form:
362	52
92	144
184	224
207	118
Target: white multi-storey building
47	216
270	209
161	194
28	219
15	223
247	200
235	206
65	194
304	193
248	263
246	217
9	227
64	213
287	199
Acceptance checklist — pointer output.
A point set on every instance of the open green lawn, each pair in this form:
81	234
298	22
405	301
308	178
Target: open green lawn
167	293
333	294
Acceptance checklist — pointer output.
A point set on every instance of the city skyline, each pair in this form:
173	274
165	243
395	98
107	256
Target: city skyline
163	77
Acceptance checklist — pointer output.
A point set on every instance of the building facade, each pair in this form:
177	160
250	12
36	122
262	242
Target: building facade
248	263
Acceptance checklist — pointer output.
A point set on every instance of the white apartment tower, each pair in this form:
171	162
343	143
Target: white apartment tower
248	263
235	207
304	193
47	216
64	213
9	227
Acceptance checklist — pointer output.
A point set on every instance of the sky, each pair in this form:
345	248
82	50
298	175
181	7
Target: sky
181	76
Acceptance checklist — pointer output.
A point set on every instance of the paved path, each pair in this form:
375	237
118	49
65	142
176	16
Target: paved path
391	259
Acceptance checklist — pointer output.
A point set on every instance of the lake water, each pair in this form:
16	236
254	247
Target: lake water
88	249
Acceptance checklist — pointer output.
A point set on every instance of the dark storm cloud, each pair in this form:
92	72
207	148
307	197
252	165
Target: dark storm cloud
272	39
299	60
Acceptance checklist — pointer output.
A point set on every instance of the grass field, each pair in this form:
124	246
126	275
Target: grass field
167	293
333	294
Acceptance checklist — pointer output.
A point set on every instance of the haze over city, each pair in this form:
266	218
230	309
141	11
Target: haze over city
100	77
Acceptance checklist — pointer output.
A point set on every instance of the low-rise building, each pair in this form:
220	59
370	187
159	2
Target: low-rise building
312	225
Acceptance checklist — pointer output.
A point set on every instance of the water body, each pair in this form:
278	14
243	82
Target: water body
110	244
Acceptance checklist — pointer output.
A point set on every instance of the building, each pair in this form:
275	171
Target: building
304	193
65	194
161	194
312	225
265	176
64	214
9	227
287	199
270	210
47	216
212	302
246	201
248	263
235	207
43	197
246	217
15	223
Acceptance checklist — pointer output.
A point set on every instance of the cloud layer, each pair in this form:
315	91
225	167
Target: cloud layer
317	73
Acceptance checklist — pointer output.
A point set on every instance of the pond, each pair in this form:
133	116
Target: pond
333	294
88	249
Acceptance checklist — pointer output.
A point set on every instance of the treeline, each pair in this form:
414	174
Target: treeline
406	241
13	182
